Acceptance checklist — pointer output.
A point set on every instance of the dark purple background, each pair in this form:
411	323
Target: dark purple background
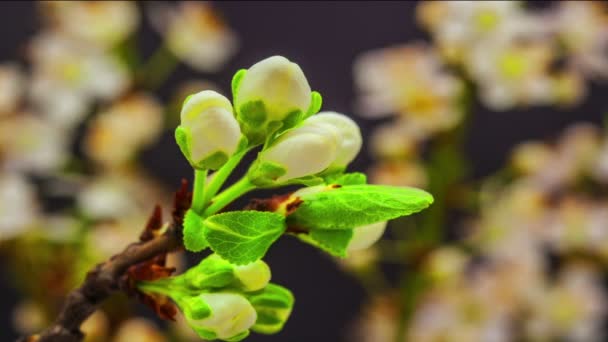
324	38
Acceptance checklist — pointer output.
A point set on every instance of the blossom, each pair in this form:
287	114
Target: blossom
270	91
302	151
350	135
582	26
122	129
68	76
18	205
196	34
209	132
11	88
230	316
102	23
30	143
409	81
365	236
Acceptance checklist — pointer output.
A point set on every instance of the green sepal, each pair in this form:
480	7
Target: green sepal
236	82
273	306
265	174
307	181
316	101
212	272
351	206
253	114
242	237
213	162
334	242
238	337
194	239
193	307
291	120
183	138
204	333
343	179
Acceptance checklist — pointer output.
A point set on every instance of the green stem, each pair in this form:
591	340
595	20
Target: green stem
198	194
219	178
237	190
157	286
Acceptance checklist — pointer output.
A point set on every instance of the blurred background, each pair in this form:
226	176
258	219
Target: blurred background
497	108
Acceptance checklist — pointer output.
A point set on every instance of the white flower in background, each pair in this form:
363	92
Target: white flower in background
106	198
303	151
399	173
96	327
121	130
365	236
69	75
350	135
29	143
378	321
196	34
458	26
394	140
103	23
408	81
212	133
573	309
511	74
29	317
231	315
582	26
11	88
18	205
279	84
139	330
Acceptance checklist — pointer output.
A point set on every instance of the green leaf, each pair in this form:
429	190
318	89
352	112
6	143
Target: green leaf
352	206
242	237
194	239
273	306
333	242
354	178
316	102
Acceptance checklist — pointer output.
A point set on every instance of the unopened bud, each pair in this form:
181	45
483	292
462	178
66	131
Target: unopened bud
230	317
301	152
209	133
270	91
350	135
365	236
254	276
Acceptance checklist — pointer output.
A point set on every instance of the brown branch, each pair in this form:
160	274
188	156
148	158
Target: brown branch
105	278
99	284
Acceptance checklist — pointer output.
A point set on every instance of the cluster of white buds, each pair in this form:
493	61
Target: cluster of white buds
224	301
274	106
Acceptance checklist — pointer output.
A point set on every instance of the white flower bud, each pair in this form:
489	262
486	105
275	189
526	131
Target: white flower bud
303	151
365	236
231	315
209	133
254	276
350	135
279	84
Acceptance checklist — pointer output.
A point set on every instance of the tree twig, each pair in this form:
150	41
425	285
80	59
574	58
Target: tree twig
100	283
105	278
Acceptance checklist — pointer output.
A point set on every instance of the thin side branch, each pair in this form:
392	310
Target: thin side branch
99	284
105	278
